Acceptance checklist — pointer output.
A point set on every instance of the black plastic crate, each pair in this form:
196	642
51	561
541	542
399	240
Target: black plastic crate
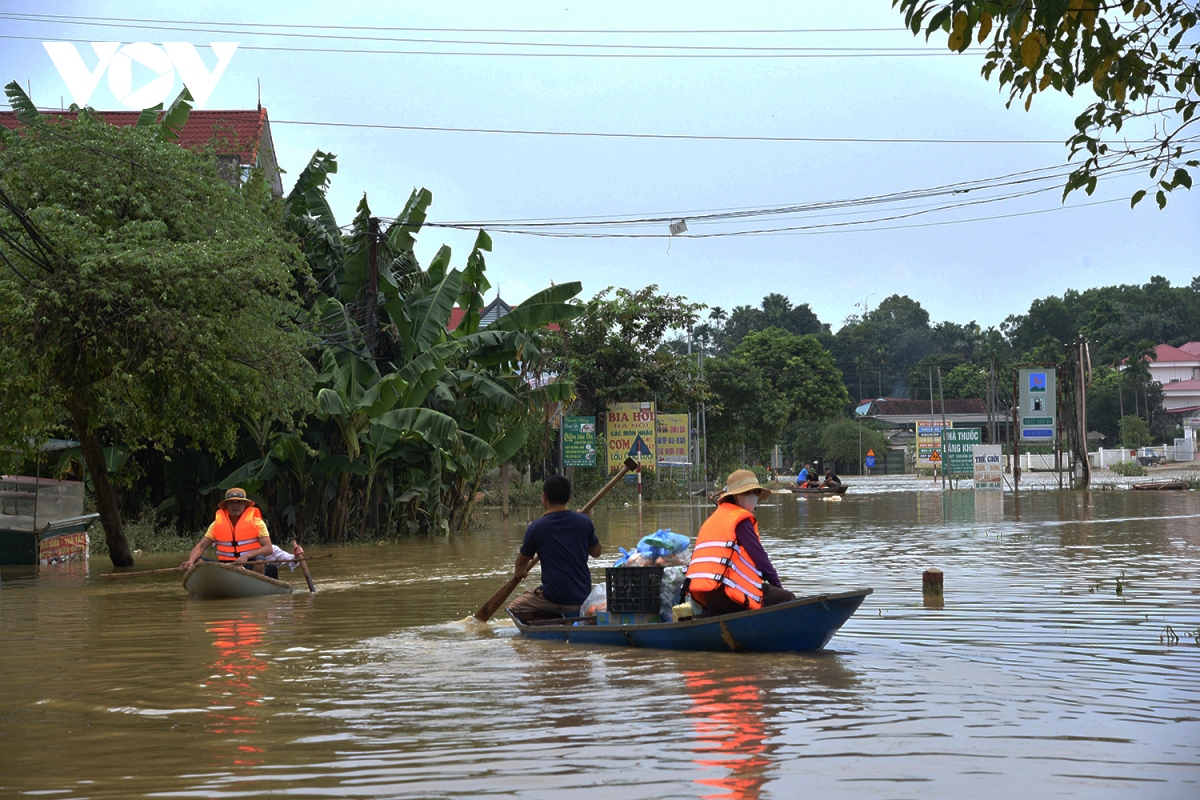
633	590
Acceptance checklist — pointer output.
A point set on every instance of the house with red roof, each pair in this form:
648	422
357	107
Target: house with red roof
1177	370
241	140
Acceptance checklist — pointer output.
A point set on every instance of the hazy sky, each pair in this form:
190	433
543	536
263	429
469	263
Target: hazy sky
979	270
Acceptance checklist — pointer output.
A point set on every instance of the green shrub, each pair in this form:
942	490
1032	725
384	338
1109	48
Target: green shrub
1128	469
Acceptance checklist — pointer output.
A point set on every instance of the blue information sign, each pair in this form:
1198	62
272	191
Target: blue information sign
870	461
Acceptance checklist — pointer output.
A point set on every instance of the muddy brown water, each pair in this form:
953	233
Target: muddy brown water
1037	676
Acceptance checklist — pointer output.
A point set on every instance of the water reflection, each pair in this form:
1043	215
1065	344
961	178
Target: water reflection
731	735
235	695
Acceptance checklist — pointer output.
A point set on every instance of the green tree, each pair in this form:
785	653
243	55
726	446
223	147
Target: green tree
616	350
1140	57
841	442
1134	432
143	299
964	382
746	415
799	369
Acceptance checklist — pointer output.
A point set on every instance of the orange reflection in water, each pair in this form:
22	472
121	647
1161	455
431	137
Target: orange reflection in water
235	667
727	713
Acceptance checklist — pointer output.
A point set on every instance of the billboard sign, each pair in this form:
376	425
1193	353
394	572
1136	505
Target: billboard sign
631	434
672	444
989	467
1038	412
929	442
579	441
958	458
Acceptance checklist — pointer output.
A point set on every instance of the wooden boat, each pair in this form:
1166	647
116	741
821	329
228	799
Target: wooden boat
60	542
806	623
1151	486
211	579
839	489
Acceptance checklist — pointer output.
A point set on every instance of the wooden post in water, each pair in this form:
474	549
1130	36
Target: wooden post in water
931	581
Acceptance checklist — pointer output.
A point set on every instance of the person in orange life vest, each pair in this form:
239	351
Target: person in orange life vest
239	533
730	570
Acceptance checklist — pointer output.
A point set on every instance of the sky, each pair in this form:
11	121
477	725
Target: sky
868	78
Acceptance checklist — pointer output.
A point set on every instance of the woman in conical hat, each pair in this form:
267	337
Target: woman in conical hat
730	570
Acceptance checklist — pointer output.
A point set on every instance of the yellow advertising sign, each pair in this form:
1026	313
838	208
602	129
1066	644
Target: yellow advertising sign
672	439
629	428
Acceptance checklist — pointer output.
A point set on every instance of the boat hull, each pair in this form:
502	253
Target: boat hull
1161	486
832	490
804	624
209	579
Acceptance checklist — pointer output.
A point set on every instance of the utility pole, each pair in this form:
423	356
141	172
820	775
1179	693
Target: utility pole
942	397
1083	372
371	306
931	418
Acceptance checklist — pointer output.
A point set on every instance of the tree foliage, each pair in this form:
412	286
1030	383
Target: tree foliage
143	300
617	350
1141	59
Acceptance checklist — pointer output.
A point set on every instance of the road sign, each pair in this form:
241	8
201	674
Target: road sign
935	457
870	454
957	450
871	461
1038	397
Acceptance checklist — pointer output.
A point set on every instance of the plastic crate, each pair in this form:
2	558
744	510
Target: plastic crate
633	590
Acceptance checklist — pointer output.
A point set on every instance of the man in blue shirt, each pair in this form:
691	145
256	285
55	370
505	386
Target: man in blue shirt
562	540
805	476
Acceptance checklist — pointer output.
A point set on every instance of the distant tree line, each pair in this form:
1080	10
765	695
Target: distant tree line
776	374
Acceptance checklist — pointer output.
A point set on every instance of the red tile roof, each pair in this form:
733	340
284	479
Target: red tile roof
1191	348
456	318
228	131
1166	353
1181	387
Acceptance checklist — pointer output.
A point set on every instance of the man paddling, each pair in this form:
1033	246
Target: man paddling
563	540
239	533
730	570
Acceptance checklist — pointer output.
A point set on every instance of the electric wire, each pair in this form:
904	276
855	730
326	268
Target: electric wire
235	28
911	52
590	31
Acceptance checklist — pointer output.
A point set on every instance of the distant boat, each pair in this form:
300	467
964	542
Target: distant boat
838	489
804	624
212	579
1151	486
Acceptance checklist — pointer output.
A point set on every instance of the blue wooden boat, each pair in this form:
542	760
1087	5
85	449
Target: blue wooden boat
806	623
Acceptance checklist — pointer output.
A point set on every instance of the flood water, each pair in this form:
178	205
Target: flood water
1052	669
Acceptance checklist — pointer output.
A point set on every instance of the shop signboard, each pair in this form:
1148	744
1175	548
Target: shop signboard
579	441
629	429
989	467
929	442
672	439
958	458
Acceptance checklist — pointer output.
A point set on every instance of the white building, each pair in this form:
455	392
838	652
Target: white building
1177	369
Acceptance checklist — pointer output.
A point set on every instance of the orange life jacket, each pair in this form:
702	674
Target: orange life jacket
719	563
233	540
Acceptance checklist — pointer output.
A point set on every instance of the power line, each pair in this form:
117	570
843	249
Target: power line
235	28
863	53
667	136
699	31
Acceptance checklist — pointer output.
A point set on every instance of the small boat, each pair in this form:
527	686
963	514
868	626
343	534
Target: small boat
803	624
839	489
211	579
1151	486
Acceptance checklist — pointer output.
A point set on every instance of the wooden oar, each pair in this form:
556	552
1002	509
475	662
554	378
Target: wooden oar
176	569
304	566
491	606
